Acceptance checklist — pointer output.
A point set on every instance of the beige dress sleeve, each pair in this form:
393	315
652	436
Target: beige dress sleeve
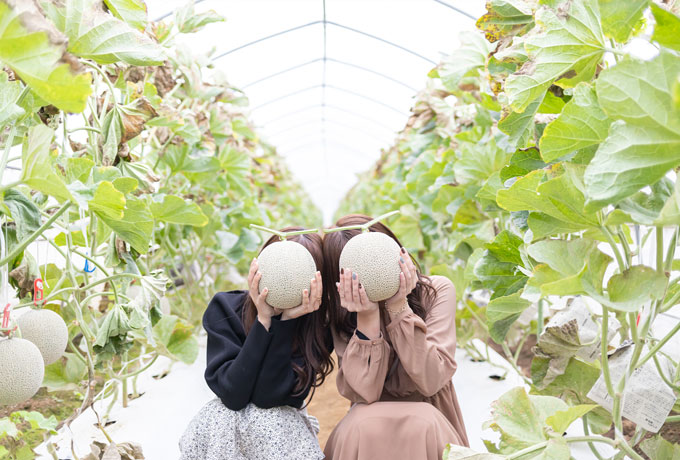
363	366
427	349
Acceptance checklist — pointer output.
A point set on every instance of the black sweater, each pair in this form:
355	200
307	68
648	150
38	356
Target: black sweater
255	368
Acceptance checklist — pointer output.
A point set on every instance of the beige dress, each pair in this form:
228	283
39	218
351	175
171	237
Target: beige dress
404	404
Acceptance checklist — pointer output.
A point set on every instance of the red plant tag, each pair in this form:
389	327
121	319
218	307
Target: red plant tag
37	291
5	316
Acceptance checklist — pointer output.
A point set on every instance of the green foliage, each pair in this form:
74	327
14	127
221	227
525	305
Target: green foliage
155	183
525	172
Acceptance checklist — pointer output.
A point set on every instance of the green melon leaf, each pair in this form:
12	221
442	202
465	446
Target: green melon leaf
24	212
520	125
642	146
174	209
131	11
188	21
575	33
97	35
502	312
667	28
9	93
581	124
657	447
37	170
466	60
619	19
108	201
175	339
30	46
136	225
455	452
561	420
630	290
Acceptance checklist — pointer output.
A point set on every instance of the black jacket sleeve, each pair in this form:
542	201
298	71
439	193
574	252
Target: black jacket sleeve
277	380
233	360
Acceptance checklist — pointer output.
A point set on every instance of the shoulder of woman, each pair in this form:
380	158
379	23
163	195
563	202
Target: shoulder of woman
440	282
225	304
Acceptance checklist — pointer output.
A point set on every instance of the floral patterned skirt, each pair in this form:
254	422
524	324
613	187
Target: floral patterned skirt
218	433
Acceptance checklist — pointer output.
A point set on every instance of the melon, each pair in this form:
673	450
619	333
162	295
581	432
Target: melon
374	257
287	269
21	370
47	330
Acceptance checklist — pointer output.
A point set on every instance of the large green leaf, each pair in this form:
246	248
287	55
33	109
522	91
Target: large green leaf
568	267
520	419
24	212
667	28
506	18
566	51
658	448
455	452
97	35
520	125
175	339
581	124
65	374
505	247
503	278
30	46
136	225
237	166
107	201
620	18
131	11
502	312
9	93
642	146
477	162
521	163
174	209
630	290
561	420
37	169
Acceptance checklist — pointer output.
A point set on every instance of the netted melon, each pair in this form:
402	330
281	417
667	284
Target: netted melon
287	269
21	370
47	330
374	257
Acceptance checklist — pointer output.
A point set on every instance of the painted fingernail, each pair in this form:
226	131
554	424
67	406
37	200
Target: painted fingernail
401	259
359	285
403	251
342	271
354	276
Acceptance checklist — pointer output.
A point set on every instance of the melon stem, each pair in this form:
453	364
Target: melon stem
363	227
284	235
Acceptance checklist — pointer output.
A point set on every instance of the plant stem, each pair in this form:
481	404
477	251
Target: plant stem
670	252
539	319
586	430
615	247
21	246
657	346
604	348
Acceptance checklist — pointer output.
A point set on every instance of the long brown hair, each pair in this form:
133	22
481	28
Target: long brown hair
420	299
311	329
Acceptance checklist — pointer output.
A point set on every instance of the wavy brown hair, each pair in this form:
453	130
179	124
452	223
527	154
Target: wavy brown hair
344	322
311	331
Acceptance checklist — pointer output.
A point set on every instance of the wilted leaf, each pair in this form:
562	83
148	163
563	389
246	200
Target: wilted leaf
471	56
37	170
115	323
506	18
188	21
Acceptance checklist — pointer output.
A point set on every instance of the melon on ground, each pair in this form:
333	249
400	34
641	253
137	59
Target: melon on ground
374	257
47	330
21	370
287	269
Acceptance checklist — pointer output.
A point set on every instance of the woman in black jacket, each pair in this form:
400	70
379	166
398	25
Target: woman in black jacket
262	364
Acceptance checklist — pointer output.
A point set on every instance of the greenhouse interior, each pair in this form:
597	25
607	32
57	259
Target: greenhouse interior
352	230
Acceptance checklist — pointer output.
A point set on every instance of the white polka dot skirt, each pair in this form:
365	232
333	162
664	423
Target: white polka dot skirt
218	433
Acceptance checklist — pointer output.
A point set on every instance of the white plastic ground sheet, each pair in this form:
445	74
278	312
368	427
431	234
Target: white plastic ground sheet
157	419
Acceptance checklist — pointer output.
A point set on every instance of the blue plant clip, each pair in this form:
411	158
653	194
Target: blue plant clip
88	268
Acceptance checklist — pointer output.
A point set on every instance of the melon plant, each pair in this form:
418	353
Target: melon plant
21	370
540	164
374	257
131	174
287	269
47	330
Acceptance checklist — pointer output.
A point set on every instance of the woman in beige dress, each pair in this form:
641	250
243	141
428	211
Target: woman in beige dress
396	360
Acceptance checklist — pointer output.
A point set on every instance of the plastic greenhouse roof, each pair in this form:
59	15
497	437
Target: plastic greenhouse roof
335	82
